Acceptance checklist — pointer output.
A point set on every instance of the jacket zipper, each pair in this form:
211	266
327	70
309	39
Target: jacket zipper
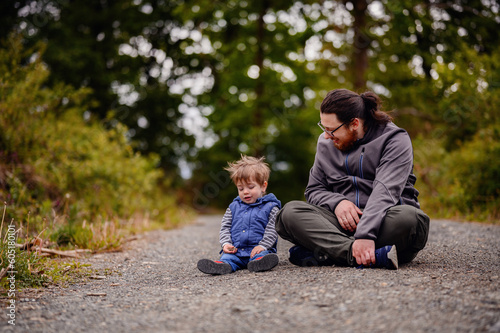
357	190
346	165
360	173
361	163
353	177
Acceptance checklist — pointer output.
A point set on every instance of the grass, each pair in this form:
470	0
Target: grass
35	271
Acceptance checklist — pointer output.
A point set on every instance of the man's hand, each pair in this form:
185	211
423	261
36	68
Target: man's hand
256	250
228	248
364	251
348	215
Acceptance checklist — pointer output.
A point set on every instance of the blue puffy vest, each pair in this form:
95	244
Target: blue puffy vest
249	222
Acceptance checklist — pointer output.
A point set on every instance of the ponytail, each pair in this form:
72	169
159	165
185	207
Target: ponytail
372	113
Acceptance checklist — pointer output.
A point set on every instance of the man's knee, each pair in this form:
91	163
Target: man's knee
408	218
286	216
422	229
290	219
290	211
412	226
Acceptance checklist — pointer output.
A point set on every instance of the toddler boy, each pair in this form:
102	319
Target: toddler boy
247	233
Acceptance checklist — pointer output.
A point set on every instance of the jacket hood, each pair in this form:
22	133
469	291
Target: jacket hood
372	133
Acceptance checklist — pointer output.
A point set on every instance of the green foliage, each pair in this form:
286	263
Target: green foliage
71	234
63	272
33	271
254	72
28	268
80	181
261	103
475	169
25	268
113	46
464	183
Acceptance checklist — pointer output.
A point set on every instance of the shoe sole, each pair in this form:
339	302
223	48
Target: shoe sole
214	268
393	256
266	263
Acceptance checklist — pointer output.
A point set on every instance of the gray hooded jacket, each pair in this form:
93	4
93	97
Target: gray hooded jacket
376	174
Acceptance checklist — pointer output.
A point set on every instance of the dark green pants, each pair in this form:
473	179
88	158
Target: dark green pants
317	229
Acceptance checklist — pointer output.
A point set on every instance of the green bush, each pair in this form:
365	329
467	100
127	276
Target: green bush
464	183
73	177
475	171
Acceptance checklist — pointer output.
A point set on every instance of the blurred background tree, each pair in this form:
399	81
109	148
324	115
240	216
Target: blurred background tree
261	99
200	82
68	176
125	52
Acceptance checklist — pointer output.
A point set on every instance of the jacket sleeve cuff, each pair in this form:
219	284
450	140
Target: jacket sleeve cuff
264	247
361	234
336	202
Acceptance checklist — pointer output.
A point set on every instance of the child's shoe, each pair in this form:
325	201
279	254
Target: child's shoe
264	263
214	267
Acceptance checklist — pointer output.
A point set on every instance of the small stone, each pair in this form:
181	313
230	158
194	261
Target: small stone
495	328
96	294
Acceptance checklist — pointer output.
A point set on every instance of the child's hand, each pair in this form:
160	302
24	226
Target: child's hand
256	250
228	248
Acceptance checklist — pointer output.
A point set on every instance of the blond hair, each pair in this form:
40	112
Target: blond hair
247	169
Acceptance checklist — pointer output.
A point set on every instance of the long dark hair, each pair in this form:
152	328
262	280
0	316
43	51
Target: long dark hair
348	105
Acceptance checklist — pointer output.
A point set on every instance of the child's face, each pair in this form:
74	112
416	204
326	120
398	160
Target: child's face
250	191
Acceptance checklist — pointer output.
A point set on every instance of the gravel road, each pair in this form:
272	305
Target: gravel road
154	286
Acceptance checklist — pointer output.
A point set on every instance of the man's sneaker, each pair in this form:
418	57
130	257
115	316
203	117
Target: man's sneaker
301	256
214	267
264	263
386	257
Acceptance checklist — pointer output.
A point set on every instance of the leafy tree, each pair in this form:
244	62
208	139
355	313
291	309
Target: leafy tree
398	48
441	64
57	165
261	101
202	81
127	52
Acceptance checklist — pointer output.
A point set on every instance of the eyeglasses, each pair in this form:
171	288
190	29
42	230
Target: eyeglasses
329	132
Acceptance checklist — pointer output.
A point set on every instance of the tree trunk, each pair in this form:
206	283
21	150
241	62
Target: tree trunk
259	87
359	59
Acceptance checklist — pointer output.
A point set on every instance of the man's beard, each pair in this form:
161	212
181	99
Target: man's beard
346	144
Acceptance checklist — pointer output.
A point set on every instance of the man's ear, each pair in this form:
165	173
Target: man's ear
355	123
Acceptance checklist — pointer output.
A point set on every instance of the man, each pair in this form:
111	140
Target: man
361	208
